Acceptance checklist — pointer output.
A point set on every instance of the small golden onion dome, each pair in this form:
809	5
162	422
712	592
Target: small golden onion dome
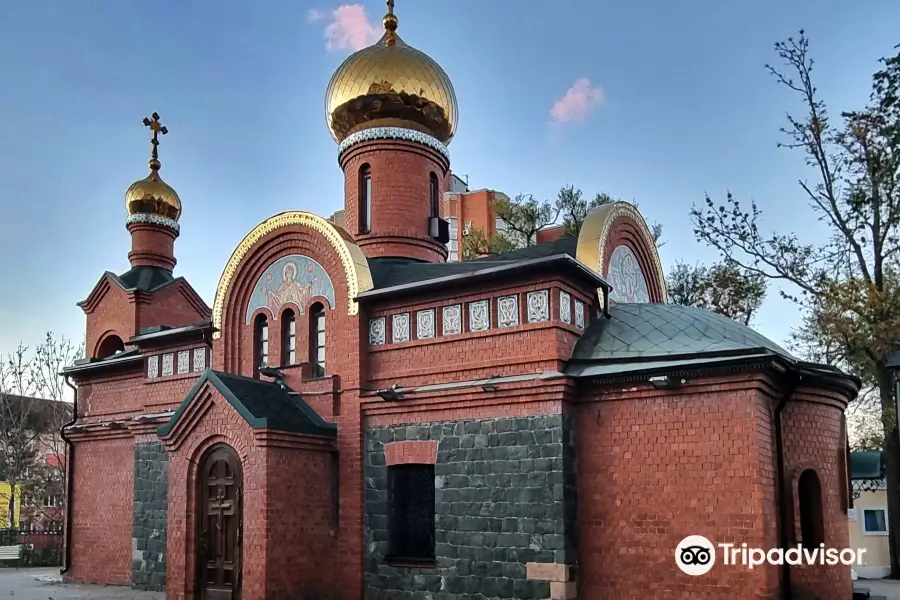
391	84
152	195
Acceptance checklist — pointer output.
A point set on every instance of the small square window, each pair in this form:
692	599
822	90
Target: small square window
874	521
411	514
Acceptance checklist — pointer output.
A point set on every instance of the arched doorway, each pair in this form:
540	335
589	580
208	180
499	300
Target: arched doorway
219	523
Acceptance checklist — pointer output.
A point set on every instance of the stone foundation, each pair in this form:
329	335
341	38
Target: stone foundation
500	503
148	542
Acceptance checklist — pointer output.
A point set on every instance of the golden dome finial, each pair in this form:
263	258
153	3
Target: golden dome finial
152	195
390	24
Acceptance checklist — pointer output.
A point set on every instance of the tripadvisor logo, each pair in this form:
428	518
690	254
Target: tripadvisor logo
696	555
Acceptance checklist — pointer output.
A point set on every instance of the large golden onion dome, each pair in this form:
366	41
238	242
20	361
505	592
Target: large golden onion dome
391	84
152	195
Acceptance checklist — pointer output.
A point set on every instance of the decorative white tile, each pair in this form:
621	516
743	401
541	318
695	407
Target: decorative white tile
538	306
452	318
400	328
168	360
393	133
200	359
480	315
184	361
508	311
565	307
153	367
377	331
425	324
579	314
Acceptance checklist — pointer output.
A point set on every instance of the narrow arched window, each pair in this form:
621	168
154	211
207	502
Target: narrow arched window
261	342
365	199
288	338
317	340
812	523
434	195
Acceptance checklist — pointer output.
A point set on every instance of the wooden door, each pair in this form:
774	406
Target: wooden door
219	525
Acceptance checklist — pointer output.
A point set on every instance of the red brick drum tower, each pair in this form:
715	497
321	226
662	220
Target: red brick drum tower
392	109
356	418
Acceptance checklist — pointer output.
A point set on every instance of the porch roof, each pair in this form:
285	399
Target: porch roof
262	404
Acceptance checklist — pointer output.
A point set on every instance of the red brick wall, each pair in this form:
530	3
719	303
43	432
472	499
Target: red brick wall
526	348
128	394
300	536
102	509
655	467
174	305
814	440
400	198
709	451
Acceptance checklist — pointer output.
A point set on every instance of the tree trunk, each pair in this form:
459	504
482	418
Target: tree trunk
11	505
891	465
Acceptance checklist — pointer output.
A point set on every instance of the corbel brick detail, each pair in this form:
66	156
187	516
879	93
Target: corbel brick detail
410	453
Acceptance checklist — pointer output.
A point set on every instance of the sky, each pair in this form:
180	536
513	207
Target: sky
658	102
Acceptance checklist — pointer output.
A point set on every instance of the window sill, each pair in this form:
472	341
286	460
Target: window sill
413	563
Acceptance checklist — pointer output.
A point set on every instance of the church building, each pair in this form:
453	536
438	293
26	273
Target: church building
358	417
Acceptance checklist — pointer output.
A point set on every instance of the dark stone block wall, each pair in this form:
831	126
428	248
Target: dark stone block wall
504	497
148	543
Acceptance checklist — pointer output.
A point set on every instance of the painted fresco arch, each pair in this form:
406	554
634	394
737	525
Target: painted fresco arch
285	262
293	281
261	246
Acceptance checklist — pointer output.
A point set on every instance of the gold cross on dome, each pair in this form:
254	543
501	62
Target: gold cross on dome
157	128
390	5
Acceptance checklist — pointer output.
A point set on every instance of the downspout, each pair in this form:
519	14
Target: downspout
70	480
782	489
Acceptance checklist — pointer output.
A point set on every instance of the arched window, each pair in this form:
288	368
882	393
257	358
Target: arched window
434	195
317	340
288	338
110	345
812	524
261	342
365	199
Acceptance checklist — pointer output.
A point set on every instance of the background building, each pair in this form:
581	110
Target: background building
867	520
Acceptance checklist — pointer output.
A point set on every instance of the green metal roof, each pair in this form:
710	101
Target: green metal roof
866	465
647	331
642	340
144	278
262	404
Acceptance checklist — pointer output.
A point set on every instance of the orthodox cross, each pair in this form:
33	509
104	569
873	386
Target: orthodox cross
390	5
157	128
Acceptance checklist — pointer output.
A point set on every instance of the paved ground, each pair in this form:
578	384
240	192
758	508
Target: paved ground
886	588
45	584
